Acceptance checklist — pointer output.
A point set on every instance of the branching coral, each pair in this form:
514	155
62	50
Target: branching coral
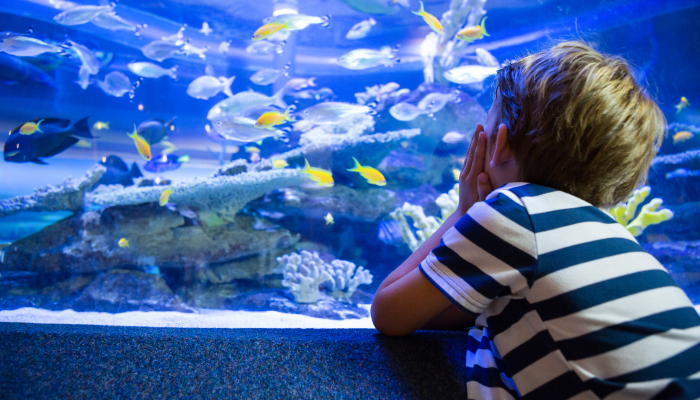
345	278
425	226
649	215
448	202
303	273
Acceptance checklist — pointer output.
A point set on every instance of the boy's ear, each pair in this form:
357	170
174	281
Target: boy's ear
502	152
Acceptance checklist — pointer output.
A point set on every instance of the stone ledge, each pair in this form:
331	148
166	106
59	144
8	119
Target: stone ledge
87	361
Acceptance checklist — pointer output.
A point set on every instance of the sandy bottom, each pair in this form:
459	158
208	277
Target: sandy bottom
205	319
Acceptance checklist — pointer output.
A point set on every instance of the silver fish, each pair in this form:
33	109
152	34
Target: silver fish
329	113
23	46
87	57
81	14
207	86
113	22
454	137
406	111
159	50
360	29
263	47
298	21
469	74
242	101
324	93
435	102
243	129
266	76
189	48
300	83
115	84
366	58
83	78
386	89
485	58
223	47
150	70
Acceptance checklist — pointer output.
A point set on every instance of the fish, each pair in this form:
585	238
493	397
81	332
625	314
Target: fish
177	36
189	48
123	242
372	175
279	163
330	112
267	30
100	125
243	129
30	127
435	102
117	172
389	232
57	135
300	83
273	118
469	74
86	56
329	219
298	21
206	30
320	176
360	29
113	22
14	69
366	58
485	58
141	144
430	19
242	101
23	46
456	173
115	84
263	47
84	79
454	137
251	149
266	76
682	173
406	111
386	89
385	7
207	86
83	144
81	14
154	130
683	104
472	33
324	93
160	50
150	70
169	147
165	162
682	136
224	46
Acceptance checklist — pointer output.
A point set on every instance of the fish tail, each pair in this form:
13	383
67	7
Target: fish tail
307	166
133	134
286	114
82	129
357	167
326	20
135	172
227	86
483	27
184	159
172	72
421	12
311	82
38	126
278	99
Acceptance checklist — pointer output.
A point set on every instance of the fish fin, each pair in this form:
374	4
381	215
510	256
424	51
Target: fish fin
135	172
483	27
227	86
82	129
420	12
38	161
279	98
38	126
372	21
307	166
311	82
385	50
167	124
133	134
326	20
357	166
70	140
183	159
172	72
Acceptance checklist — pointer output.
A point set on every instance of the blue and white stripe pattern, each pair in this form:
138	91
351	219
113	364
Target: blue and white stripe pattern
569	305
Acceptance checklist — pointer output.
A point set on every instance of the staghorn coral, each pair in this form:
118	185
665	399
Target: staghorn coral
303	273
649	215
345	278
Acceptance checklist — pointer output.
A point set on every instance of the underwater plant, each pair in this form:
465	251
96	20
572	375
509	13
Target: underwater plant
649	215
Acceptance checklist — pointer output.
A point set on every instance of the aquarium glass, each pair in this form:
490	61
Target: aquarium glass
269	163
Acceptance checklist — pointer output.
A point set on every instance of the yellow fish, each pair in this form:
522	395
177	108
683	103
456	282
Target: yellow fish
279	163
31	127
472	33
83	144
682	136
318	175
455	173
169	147
372	175
101	125
165	196
268	30
251	149
272	118
123	242
683	104
329	219
430	19
141	145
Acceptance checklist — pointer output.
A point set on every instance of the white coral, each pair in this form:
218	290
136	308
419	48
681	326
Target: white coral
448	202
303	274
345	278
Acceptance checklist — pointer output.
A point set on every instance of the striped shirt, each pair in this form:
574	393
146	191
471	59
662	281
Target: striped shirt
569	305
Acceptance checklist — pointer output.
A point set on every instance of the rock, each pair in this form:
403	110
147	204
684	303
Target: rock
275	300
246	268
215	296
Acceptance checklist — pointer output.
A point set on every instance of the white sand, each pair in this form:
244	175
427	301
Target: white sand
206	318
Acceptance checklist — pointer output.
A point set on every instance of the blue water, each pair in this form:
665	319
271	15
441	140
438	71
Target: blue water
658	38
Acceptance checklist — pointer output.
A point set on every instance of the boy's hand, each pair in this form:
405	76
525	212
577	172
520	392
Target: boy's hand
474	183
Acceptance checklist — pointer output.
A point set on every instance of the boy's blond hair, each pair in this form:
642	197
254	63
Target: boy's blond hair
578	122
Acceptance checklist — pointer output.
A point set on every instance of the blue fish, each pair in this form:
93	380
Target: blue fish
154	130
165	162
57	135
14	70
118	173
389	232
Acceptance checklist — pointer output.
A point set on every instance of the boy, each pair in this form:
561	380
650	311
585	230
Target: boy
566	303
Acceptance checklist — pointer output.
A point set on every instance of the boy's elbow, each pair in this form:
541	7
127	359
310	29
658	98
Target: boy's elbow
383	323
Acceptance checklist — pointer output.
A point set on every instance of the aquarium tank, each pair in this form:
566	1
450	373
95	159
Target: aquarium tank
269	163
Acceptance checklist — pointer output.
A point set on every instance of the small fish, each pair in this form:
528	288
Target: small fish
241	129
320	176
273	118
367	58
86	56
113	22
100	125
115	84
454	137
371	174
360	29
472	33
206	30
81	14
189	48
83	78
142	145
23	46
207	86
266	76
150	70
298	21
123	242
224	46
682	136
404	144
456	173
254	157
330	112
154	130
430	19
329	219
165	196
251	149
165	162
30	127
485	58
323	93
118	173
469	74
267	30
300	83
242	101
279	163
435	102
263	48
159	50
83	144
406	111
683	104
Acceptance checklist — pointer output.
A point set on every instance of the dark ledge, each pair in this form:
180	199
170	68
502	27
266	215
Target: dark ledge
87	361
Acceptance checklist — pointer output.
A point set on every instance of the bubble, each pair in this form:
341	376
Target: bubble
131	94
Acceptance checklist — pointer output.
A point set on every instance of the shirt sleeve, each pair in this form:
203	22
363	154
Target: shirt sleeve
490	252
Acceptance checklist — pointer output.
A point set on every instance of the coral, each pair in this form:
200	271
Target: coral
425	226
649	215
345	278
66	196
303	273
448	202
